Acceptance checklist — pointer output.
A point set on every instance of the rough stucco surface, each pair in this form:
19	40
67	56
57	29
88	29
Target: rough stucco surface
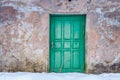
24	33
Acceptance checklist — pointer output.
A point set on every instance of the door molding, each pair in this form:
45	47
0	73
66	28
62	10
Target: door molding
60	15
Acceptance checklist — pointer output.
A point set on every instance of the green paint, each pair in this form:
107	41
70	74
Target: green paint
67	43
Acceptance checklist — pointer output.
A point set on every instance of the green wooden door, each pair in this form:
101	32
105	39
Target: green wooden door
67	43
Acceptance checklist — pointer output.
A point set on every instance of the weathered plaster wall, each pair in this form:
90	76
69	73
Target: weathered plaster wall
24	33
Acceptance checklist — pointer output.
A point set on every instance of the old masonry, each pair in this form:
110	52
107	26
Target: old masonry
60	35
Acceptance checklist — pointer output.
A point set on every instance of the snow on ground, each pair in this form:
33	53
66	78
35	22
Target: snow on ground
57	76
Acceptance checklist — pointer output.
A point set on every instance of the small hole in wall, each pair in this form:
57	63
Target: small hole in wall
88	1
69	0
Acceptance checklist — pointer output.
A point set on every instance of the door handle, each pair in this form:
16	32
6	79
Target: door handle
52	45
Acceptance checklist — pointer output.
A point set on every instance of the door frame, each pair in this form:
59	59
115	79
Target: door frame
50	15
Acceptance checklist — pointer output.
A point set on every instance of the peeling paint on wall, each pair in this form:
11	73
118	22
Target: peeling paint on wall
24	33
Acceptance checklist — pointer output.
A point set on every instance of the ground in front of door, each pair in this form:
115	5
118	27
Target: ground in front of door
58	76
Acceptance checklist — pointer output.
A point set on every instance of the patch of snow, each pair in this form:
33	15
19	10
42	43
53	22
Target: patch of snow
57	76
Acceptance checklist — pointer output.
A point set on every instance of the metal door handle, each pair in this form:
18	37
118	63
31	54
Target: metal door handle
52	45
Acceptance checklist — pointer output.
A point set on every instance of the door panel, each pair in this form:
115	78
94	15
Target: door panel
66	59
66	29
76	30
58	30
76	58
58	59
67	43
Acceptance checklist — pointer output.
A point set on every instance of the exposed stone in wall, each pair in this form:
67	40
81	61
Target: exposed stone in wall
24	33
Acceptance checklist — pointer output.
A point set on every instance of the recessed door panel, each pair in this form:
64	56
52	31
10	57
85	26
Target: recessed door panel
58	30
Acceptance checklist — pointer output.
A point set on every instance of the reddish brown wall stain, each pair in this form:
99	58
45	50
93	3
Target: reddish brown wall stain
7	13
